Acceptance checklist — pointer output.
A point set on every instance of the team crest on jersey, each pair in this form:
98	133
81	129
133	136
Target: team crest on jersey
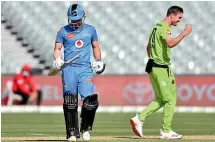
70	35
168	32
79	43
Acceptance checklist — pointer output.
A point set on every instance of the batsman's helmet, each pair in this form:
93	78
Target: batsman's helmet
76	16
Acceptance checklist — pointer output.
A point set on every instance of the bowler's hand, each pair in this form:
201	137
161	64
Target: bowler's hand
187	30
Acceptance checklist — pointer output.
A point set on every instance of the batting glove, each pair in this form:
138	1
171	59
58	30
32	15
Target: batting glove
58	63
99	66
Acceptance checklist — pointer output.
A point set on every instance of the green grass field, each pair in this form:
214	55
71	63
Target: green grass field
113	127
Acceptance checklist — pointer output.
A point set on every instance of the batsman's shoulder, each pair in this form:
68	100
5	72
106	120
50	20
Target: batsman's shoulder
62	28
89	26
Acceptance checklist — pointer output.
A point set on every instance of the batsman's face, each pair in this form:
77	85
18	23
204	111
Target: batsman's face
75	24
176	18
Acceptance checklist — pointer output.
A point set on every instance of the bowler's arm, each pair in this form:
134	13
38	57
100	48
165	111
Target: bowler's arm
172	42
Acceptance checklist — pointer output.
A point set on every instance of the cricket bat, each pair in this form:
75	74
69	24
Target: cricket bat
55	71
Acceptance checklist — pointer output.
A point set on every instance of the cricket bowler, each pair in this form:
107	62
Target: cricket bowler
78	38
160	73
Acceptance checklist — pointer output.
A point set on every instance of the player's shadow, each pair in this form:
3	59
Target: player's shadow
133	138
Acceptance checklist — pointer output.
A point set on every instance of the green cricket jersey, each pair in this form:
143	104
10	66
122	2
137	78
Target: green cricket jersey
159	51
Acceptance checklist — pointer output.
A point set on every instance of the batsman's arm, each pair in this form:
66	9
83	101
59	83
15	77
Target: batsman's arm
57	50
96	50
98	65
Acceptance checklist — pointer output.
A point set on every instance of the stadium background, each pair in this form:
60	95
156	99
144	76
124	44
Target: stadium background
28	31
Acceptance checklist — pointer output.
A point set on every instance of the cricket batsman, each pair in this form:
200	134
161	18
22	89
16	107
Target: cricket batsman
161	74
78	38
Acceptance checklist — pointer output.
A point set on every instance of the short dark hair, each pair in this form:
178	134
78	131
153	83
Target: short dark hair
174	10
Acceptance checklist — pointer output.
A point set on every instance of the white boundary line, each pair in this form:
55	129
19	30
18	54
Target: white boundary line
107	109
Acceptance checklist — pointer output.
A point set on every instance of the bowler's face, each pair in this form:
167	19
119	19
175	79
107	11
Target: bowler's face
176	18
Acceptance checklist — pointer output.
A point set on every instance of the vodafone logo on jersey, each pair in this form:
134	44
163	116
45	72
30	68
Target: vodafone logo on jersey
79	43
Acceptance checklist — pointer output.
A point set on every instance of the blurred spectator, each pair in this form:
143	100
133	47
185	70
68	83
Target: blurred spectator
25	87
